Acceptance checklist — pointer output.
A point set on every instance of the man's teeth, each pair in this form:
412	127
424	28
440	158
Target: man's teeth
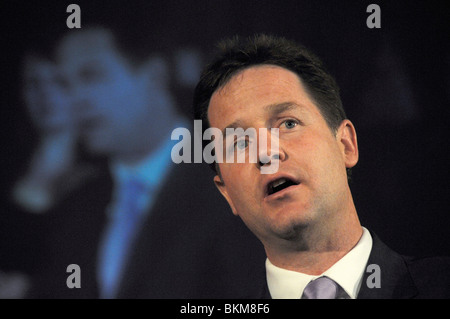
278	182
279	185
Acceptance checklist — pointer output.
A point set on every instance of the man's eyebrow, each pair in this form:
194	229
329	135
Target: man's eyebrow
278	108
235	124
274	109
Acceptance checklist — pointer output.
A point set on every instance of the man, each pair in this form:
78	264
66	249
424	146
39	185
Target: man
304	213
142	228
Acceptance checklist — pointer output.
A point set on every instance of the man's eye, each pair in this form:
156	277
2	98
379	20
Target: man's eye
241	144
290	124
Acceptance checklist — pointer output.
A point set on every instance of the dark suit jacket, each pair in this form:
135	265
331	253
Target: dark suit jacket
402	277
191	245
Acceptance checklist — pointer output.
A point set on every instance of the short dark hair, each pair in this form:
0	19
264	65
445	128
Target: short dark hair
236	54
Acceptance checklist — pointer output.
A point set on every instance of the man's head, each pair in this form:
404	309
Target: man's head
267	82
121	103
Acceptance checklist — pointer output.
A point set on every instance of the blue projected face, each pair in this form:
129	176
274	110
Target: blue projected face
115	104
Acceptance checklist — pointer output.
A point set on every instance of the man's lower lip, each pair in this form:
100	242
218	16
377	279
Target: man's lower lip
280	193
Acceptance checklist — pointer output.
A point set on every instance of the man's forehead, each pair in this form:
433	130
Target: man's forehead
256	80
272	89
257	74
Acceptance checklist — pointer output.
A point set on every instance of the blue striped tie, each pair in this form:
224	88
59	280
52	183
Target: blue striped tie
119	238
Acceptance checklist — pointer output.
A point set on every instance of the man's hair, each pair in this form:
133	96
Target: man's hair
236	54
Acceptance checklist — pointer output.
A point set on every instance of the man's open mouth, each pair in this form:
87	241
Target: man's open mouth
279	184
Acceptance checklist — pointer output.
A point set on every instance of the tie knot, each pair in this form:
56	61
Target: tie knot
321	288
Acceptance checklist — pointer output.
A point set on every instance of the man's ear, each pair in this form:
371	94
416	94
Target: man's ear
348	143
223	190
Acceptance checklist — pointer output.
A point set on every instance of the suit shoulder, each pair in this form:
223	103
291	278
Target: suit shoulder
431	275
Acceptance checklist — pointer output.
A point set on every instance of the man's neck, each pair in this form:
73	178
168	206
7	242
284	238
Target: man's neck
317	248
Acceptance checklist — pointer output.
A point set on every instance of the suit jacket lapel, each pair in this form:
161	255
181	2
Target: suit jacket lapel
265	294
396	282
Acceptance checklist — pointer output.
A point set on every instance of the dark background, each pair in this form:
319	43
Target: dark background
395	86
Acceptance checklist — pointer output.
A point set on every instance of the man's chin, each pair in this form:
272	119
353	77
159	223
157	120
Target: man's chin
292	229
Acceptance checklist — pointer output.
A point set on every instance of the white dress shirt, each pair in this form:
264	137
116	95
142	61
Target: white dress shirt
347	272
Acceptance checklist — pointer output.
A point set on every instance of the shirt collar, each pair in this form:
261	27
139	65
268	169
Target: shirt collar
347	272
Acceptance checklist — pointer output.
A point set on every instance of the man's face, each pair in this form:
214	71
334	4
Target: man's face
109	97
312	158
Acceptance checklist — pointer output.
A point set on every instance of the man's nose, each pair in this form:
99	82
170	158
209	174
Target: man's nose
269	148
267	159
